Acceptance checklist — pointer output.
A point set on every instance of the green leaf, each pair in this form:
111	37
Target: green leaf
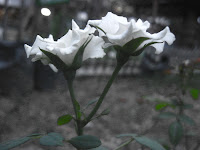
127	135
91	103
167	147
152	144
164	143
175	132
64	119
138	52
161	105
105	112
34	135
55	60
13	143
132	45
78	59
99	148
186	119
166	115
118	48
52	139
85	142
194	93
187	106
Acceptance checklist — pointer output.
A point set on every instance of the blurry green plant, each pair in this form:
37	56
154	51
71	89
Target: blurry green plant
177	130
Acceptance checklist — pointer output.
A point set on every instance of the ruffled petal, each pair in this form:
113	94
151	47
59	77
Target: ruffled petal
94	48
121	39
28	50
74	25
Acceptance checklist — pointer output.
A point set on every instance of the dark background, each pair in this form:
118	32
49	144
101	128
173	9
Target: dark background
32	96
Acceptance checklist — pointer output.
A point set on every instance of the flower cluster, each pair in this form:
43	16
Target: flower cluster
117	30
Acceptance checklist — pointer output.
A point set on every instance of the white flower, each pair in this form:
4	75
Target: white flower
119	31
67	46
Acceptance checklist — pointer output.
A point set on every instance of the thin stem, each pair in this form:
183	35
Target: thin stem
105	91
73	98
124	144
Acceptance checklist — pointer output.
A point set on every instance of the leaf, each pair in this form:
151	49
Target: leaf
194	93
13	143
132	45
117	47
186	119
161	105
138	52
164	143
52	139
166	115
64	119
187	106
99	148
34	135
127	135
91	103
166	147
78	59
105	112
55	60
175	132
152	144
85	142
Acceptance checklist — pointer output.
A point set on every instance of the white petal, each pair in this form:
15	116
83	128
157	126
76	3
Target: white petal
53	67
74	25
121	39
94	22
164	35
28	50
159	47
66	39
120	19
51	37
94	48
50	48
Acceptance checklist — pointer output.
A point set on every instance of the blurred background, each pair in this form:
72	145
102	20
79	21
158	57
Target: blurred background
32	96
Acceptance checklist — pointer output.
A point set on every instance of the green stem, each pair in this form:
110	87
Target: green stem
105	91
73	98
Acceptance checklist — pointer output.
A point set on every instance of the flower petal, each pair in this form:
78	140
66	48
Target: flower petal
53	67
28	50
94	48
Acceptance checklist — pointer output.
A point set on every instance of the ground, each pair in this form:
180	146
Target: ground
24	110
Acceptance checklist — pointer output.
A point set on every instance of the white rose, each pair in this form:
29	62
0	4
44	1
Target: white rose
119	31
67	46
